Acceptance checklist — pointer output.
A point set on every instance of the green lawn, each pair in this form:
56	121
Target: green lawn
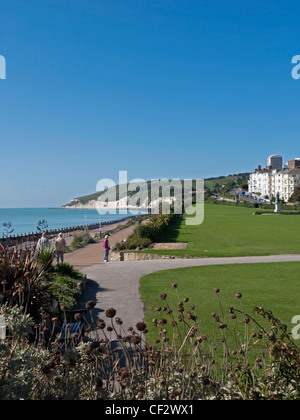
274	286
229	231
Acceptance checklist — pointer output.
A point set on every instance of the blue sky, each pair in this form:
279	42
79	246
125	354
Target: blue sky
177	88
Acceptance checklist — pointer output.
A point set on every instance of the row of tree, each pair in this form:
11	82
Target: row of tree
8	229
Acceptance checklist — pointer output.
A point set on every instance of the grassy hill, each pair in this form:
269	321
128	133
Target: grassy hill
237	179
211	183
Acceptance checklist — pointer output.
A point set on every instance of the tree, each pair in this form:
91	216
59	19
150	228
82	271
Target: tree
295	198
7	229
42	225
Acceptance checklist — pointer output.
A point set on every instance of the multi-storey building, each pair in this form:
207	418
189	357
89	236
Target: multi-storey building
274	162
261	182
268	182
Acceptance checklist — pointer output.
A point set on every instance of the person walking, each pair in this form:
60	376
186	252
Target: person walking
106	248
60	246
43	243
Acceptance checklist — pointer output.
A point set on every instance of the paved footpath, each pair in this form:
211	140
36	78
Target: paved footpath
116	284
94	253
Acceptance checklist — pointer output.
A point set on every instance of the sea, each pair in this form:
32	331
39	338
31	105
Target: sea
25	221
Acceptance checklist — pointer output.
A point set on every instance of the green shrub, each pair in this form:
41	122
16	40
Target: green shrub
65	290
23	281
80	240
45	257
144	235
66	269
132	243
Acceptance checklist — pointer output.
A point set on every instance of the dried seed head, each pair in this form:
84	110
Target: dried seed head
119	321
101	324
78	317
136	339
141	326
90	305
110	313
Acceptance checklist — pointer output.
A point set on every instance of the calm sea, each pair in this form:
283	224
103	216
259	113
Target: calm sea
26	220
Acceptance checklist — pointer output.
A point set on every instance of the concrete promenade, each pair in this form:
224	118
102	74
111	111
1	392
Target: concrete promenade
116	284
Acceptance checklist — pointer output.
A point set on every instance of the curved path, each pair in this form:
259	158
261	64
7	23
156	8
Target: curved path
116	284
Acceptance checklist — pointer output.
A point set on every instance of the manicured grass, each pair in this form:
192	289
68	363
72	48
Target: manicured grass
274	286
229	231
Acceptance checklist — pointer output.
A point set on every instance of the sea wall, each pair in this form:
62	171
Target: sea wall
29	240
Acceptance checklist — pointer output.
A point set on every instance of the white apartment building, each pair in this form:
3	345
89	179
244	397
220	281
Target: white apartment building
261	182
285	182
268	182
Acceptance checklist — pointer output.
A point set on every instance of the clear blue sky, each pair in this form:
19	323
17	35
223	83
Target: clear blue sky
170	88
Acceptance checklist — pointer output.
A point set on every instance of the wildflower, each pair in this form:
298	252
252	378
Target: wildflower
163	296
174	285
217	290
239	295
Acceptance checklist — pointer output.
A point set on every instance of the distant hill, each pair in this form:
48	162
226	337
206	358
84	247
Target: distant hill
238	179
213	184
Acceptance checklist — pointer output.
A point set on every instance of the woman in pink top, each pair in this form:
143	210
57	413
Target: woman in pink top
106	248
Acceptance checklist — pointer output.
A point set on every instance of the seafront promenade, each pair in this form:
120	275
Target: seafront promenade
116	284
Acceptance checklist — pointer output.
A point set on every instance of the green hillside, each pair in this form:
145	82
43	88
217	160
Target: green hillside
213	184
